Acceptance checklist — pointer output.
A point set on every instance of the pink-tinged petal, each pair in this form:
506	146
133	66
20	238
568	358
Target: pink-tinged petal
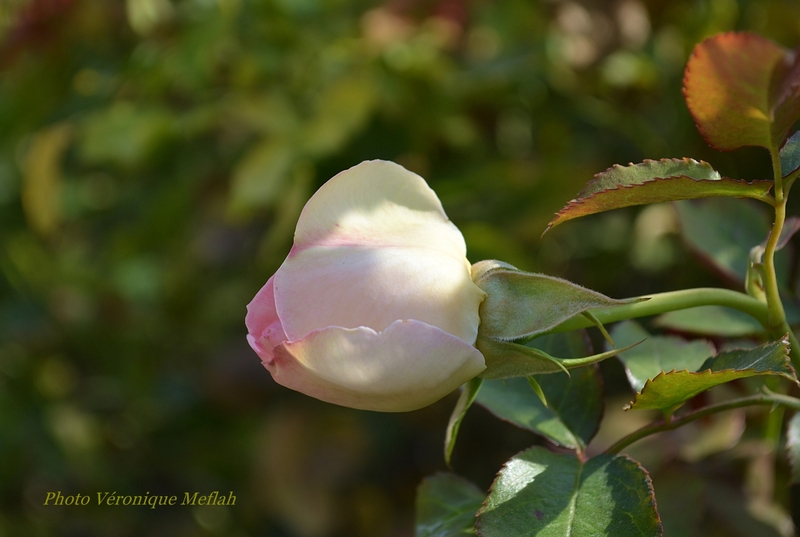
407	366
373	245
356	286
264	328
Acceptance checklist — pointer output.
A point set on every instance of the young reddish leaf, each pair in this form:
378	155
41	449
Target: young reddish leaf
655	181
785	95
742	89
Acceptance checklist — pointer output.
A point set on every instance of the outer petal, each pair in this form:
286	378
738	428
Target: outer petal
372	246
264	329
407	366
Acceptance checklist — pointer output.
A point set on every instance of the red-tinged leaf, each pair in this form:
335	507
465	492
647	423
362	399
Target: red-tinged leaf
655	181
739	90
786	95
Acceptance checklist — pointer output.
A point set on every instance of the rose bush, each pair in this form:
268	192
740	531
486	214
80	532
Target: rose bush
374	307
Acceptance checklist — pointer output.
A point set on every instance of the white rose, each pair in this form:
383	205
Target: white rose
375	307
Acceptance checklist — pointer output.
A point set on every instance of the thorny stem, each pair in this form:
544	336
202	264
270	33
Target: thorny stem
766	398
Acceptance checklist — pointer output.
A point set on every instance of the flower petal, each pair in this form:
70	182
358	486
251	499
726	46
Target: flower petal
264	329
373	245
377	203
407	366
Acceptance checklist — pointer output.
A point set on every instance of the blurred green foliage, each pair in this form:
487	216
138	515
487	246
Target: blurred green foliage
154	157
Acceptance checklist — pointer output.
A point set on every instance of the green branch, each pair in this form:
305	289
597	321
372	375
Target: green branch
660	426
671	301
776	319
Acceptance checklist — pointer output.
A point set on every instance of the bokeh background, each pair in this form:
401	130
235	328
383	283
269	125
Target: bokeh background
154	157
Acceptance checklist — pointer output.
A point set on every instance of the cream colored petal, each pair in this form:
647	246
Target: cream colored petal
378	203
408	366
356	286
374	246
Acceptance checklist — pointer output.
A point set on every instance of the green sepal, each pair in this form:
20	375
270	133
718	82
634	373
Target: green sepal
507	360
468	393
534	384
522	304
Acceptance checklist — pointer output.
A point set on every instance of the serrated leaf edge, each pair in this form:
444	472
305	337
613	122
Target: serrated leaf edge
577	202
708	372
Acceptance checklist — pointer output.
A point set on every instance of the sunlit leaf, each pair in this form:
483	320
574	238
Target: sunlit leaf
657	353
671	389
654	182
739	91
553	495
710	320
446	506
521	304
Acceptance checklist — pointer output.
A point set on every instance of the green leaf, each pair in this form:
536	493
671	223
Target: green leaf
343	110
575	404
785	95
657	353
521	304
710	320
793	446
468	393
736	89
557	495
790	154
654	182
446	506
261	176
672	389
574	410
723	231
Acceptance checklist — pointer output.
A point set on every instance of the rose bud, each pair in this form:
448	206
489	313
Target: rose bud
375	307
